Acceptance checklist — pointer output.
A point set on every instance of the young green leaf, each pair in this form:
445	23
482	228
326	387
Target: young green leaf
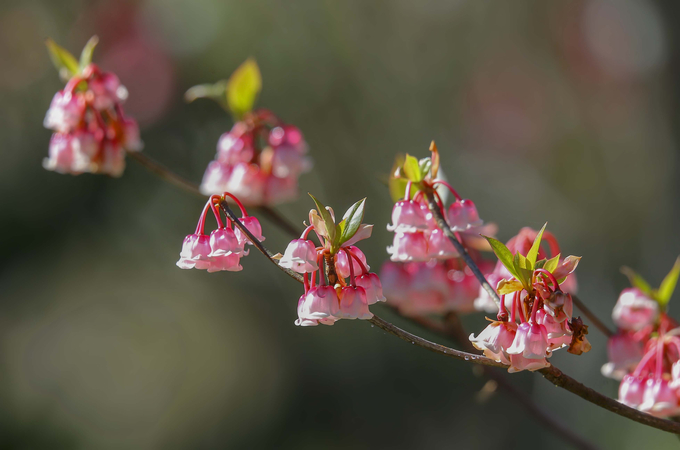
668	284
326	217
533	251
86	54
425	164
217	92
353	218
243	88
503	254
508	287
551	264
523	270
636	280
412	169
64	61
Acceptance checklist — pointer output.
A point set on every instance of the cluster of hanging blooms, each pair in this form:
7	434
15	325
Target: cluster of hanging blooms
225	246
261	158
432	287
644	354
91	131
535	315
337	281
425	274
521	243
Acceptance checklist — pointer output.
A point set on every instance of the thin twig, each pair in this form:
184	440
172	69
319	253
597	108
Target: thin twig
170	176
592	317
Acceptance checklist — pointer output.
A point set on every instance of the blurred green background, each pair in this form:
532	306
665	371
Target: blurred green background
543	111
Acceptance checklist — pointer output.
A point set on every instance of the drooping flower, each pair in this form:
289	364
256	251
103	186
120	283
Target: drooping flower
634	310
222	250
92	133
300	256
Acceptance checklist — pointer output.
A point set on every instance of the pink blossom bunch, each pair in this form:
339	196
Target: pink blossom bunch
259	160
91	131
521	243
537	317
416	234
653	386
225	246
337	281
432	287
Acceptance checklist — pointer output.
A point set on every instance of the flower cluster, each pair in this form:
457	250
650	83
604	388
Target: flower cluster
521	244
644	354
535	316
224	247
91	131
416	234
432	287
259	160
337	281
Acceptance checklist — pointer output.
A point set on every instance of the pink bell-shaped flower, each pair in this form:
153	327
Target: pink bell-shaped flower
253	225
230	262
302	320
439	246
408	216
531	341
634	310
247	183
215	178
463	215
659	398
107	91
289	162
559	305
519	363
396	282
624	355
353	303
223	241
65	112
631	390
409	247
300	256
495	339
195	252
235	147
371	284
342	264
320	302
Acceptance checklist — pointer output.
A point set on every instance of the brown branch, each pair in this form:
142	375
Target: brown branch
592	317
168	175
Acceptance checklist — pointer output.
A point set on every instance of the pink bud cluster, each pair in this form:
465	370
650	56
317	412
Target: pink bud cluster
91	132
645	355
224	247
337	285
416	235
521	243
432	287
539	322
259	161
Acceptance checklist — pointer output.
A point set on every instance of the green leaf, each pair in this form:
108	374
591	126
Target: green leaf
425	165
412	169
352	218
243	88
217	92
64	61
523	270
503	254
86	54
533	251
551	264
637	281
326	217
668	284
508	287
